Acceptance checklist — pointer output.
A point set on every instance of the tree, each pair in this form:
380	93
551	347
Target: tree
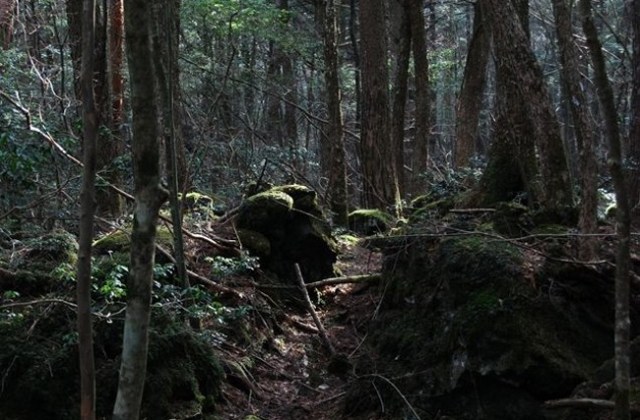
335	168
525	119
378	166
422	101
623	219
470	99
401	40
583	126
87	211
6	22
634	132
149	197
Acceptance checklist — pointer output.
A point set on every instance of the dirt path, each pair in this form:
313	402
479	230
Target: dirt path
292	376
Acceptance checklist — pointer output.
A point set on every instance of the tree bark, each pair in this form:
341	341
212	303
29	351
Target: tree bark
335	166
534	115
634	132
87	212
583	127
378	166
623	222
473	83
149	197
402	48
423	97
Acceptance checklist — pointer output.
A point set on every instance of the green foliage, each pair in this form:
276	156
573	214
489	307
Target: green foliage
224	266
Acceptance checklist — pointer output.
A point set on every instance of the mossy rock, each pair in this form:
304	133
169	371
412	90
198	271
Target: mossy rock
512	219
119	241
34	264
370	221
255	241
41	375
466	314
262	210
285	226
46	251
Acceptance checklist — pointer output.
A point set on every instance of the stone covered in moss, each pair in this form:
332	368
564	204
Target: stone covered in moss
369	221
468	328
119	241
39	361
284	226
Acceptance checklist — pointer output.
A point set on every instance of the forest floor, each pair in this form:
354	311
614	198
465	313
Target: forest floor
291	377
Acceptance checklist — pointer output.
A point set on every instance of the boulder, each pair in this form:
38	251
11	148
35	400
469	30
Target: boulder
285	225
472	331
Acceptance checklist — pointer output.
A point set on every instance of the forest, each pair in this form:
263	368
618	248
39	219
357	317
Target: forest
322	209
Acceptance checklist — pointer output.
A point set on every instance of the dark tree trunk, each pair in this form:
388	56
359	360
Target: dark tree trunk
583	126
378	172
473	83
402	47
529	110
623	258
334	167
422	101
634	132
87	212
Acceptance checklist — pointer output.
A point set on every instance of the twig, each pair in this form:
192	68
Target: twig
583	403
375	375
201	279
314	315
344	279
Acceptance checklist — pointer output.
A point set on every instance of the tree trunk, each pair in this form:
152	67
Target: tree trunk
335	168
634	132
378	166
533	113
422	101
623	258
473	83
402	48
7	10
149	197
87	212
583	126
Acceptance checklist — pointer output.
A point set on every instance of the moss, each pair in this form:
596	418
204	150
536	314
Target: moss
370	221
255	241
119	240
48	250
463	308
39	361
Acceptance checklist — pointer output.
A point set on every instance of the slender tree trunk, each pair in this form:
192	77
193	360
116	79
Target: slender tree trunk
7	10
149	197
473	83
336	169
583	126
87	212
422	101
623	258
166	61
353	37
402	41
634	132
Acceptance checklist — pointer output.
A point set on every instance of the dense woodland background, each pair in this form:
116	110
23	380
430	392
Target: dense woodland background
257	85
373	105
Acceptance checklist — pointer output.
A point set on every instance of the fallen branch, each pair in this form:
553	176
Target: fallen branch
586	403
314	315
201	279
345	279
326	282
